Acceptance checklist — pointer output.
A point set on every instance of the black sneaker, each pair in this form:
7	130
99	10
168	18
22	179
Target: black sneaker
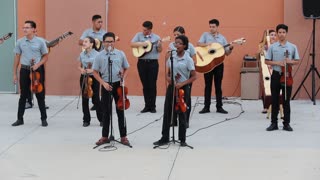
161	142
44	123
204	110
18	123
144	110
86	124
221	110
273	126
287	127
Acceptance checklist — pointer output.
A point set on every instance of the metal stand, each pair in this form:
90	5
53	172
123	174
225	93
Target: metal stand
173	140
312	69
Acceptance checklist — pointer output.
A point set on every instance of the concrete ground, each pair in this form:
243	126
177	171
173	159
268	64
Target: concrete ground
234	147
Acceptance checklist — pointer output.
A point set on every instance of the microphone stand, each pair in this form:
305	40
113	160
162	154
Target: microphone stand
172	105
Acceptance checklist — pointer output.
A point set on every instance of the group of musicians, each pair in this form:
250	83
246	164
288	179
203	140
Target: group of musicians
107	66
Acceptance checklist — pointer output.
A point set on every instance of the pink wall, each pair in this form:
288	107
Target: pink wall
238	18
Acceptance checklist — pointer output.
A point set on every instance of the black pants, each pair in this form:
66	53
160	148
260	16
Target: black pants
106	101
95	100
217	73
276	86
148	73
168	114
25	84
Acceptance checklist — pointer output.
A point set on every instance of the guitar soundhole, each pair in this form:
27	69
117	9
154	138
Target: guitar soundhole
212	51
267	78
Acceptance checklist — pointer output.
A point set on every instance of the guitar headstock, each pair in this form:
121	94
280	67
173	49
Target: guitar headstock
286	53
66	34
7	36
239	41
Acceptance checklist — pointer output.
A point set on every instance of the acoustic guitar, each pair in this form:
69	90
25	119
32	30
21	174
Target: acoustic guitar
142	50
6	37
211	56
99	45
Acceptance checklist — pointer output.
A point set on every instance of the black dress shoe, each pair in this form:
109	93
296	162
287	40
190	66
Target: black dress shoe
273	126
144	110
183	144
86	124
44	123
204	110
18	123
153	110
221	110
161	142
287	127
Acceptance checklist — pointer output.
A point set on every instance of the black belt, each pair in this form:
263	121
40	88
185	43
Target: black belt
148	60
25	67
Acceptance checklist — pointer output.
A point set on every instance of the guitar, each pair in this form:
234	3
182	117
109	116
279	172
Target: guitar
5	37
99	45
142	50
211	56
58	39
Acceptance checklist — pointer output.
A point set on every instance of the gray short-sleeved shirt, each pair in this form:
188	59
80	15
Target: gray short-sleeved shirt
276	52
94	35
191	51
30	49
182	65
119	62
91	33
86	58
153	38
207	37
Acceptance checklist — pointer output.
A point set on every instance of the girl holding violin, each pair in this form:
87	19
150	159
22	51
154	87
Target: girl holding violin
177	31
281	55
88	84
178	92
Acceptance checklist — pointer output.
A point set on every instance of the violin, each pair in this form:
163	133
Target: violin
123	102
180	105
88	92
286	76
36	86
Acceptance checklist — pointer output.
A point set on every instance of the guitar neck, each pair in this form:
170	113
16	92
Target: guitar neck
53	42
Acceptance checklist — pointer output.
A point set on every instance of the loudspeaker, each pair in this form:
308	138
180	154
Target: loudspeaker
311	9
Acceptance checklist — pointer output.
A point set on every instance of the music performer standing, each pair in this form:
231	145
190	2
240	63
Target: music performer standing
148	66
119	65
86	60
184	73
27	49
177	31
96	32
207	38
276	56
